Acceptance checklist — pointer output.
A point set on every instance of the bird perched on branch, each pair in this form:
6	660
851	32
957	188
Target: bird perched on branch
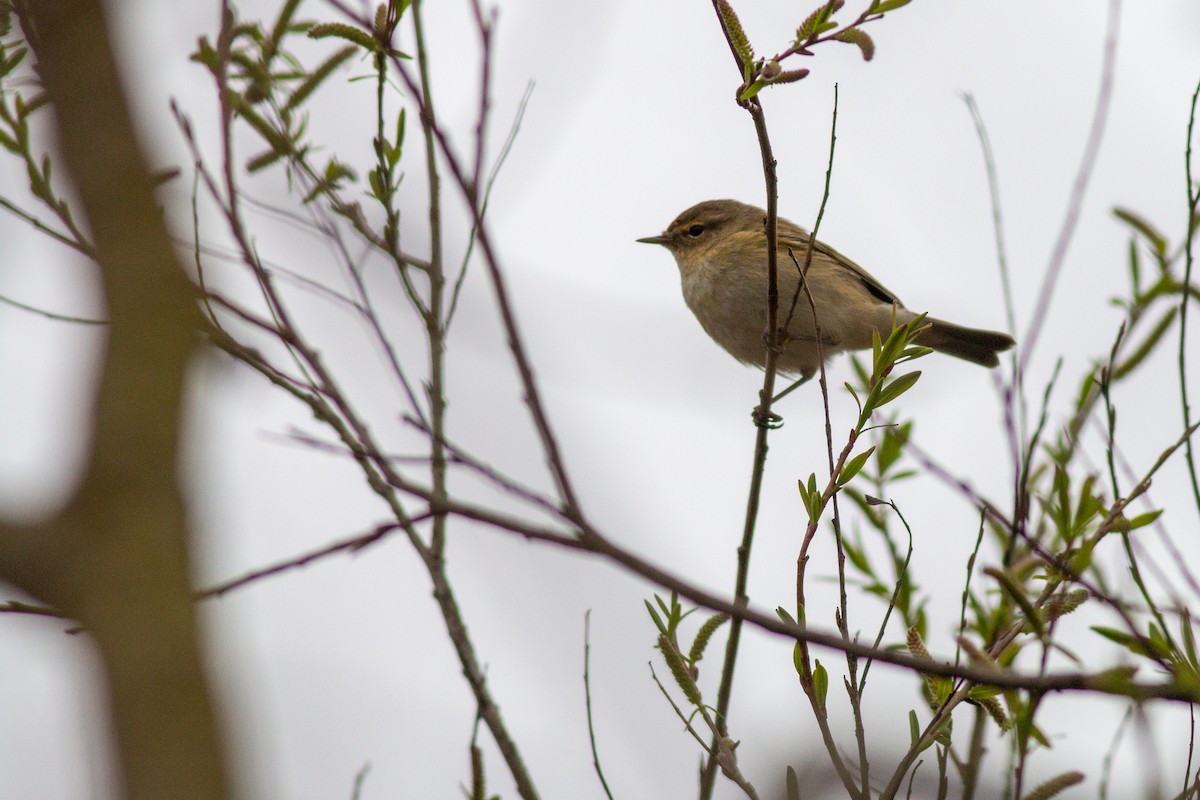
721	249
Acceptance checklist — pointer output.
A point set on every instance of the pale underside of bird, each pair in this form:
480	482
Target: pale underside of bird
721	249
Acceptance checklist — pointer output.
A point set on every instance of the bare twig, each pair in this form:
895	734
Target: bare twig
353	544
41	312
587	696
1091	150
989	163
1193	196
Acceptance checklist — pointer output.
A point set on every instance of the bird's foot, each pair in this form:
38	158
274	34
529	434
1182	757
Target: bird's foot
769	420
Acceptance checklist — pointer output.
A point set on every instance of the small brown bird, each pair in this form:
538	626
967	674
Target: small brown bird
721	249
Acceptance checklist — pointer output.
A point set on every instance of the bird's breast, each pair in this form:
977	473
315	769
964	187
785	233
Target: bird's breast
730	305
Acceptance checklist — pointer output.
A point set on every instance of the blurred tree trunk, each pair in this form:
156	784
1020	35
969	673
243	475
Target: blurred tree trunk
116	558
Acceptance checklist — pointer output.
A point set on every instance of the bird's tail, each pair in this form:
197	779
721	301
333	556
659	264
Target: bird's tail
971	344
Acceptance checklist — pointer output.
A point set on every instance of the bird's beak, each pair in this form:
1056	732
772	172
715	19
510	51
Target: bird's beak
660	239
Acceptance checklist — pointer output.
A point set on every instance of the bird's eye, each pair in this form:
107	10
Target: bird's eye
695	230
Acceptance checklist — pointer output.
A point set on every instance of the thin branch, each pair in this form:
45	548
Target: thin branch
17	607
80	245
41	312
762	416
460	456
516	344
353	544
820	712
1193	196
505	149
587	696
1091	150
989	164
687	724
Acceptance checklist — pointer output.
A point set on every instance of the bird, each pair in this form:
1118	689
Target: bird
721	249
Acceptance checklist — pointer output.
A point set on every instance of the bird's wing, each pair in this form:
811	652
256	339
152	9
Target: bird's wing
792	235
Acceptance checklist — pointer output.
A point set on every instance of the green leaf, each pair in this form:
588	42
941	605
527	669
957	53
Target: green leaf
671	612
1134	644
793	785
1134	359
858	558
983	692
1189	641
752	90
207	55
1040	737
27	107
280	28
887	5
336	171
853	394
784	615
864	378
1088	505
896	388
854	466
1135	268
820	681
264	160
393	153
1157	242
658	623
1159	640
896	341
377	187
811	497
894	439
274	138
915	352
11	63
943	735
1012	586
1142	520
914	728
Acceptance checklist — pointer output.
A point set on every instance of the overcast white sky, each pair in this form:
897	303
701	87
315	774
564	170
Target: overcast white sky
631	120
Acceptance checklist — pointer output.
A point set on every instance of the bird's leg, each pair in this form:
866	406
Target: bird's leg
803	380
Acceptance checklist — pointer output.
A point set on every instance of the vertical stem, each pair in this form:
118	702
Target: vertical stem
975	753
433	317
435	329
1193	195
762	416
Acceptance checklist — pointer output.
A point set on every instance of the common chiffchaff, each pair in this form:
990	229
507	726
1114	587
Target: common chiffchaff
721	249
